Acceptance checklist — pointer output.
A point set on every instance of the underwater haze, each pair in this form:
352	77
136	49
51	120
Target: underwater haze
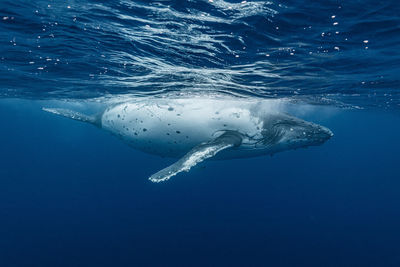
73	195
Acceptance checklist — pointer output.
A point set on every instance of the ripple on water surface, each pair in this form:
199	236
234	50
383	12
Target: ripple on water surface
313	51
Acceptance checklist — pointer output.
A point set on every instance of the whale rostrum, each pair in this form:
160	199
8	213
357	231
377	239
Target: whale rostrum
194	130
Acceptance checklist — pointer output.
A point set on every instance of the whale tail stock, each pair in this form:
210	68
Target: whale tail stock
95	120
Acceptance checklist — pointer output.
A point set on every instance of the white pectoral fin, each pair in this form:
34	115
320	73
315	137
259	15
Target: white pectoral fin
197	155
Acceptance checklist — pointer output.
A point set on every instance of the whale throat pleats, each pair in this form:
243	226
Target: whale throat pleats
197	155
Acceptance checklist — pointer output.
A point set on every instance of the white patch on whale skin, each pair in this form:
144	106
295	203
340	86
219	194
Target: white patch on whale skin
171	127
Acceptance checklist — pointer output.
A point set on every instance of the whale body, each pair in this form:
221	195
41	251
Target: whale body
194	129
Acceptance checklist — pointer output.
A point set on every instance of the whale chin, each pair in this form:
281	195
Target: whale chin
322	135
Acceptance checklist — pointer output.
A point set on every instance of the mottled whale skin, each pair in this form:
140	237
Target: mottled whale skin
195	129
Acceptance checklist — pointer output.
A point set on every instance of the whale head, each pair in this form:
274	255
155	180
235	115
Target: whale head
283	132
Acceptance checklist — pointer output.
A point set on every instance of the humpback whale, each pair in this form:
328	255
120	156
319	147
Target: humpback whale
195	129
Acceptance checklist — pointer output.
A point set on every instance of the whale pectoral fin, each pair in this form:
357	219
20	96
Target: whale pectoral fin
197	155
73	115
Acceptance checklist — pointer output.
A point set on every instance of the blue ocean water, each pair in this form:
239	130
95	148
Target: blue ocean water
72	195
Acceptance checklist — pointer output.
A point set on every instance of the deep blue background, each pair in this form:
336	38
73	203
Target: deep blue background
72	195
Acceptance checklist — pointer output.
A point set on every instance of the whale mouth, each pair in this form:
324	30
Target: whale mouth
322	134
311	134
326	132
